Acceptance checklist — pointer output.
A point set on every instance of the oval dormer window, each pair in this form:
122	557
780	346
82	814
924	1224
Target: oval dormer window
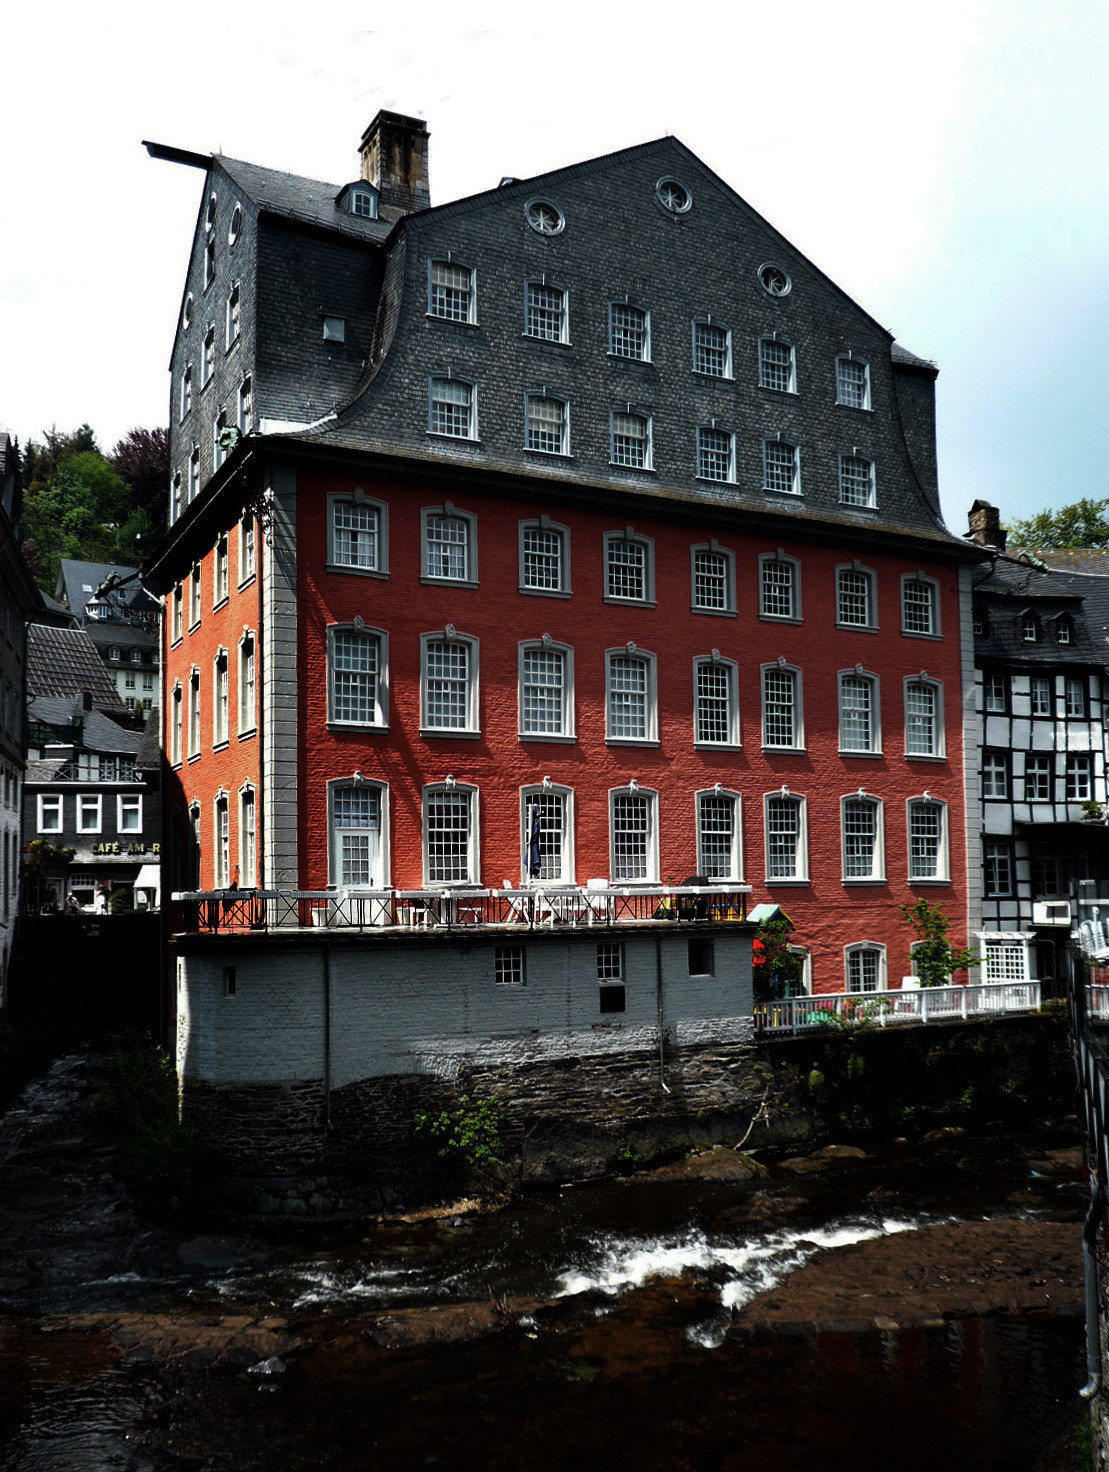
544	217
774	281
673	196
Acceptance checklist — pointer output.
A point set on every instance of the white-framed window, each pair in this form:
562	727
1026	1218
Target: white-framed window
861	821
220	698
928	848
358	813
924	730
715	454
712	350
545	312
997	859
779	586
248	839
852	382
720	834
857	486
186	390
128	812
1064	631
631	441
509	967
786	827
357	683
194	850
633	831
995	774
49	812
450	291
222	836
219	449
363	203
860	727
1038	773
631	696
782	722
712	579
236	224
450	682
193	487
450	834
194	596
546	424
547	835
1074	693
451	408
209	261
177	495
1004	957
1079	770
781	467
544	217
247	562
544	557
855	598
1040	692
89	812
546	689
995	692
920	606
629	331
129	680
629	567
208	355
449	544
865	967
715	701
777	365
1030	628
194	712
176	724
247	716
233	315
221	582
246	405
357	534
611	979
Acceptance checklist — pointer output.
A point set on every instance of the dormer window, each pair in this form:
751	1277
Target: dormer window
359	199
1064	631
1029	628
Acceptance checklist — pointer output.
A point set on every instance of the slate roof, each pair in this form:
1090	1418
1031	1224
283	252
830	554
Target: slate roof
100	733
149	750
80	580
309	200
1086	560
1014	587
61	662
104	633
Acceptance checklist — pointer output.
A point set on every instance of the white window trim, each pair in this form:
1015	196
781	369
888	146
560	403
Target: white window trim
633	651
871	502
567	857
798	705
713	480
871	625
795	488
736	799
875	747
248	636
877	873
940	753
221	856
781	618
439	434
883	972
645	356
97	802
221	735
933	585
121	799
865	366
197	705
449	509
564	324
731	668
380	721
648	443
727	331
729	609
564	447
651	794
801	874
472	727
943	861
246	575
55	804
1004	940
544	523
782	343
221	570
628	534
355	779
470	320
234	320
547	644
177	725
473	857
248	874
359	498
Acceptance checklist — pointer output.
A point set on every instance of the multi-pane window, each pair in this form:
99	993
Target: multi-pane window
193	486
777	588
248	840
545	837
612	994
233	315
543	691
450	291
1040	692
1079	774
858	723
995	774
712	350
633	836
1075	694
448	835
780	724
864	969
447	547
855	597
714	455
628	331
785	837
856	481
194	597
246	684
449	685
246	547
630	698
220	698
208	356
631	441
222	855
780	465
1030	628
1064	631
998	868
712	581
177	495
777	365
356	535
718	835
861	849
246	405
547	424
178	613
186	390
220	591
175	726
194	713
356	852
1037	777
544	312
628	569
918	607
715	707
995	693
451	408
508	965
922	727
355	683
852	383
542	558
927	841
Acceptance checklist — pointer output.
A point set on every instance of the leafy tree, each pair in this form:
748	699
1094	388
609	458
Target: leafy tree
936	958
141	458
776	970
1083	524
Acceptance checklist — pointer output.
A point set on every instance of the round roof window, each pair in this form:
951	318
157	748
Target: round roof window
544	217
775	281
673	196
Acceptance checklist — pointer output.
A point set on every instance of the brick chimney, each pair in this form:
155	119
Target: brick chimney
985	526
394	160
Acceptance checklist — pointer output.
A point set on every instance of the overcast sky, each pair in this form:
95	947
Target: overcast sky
944	163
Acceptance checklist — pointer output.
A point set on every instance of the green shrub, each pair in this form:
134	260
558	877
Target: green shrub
160	1157
469	1135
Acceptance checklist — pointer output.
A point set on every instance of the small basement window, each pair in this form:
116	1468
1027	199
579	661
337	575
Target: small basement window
508	965
701	956
610	978
229	981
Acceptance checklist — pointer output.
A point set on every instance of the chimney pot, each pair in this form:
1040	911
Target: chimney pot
985	526
394	160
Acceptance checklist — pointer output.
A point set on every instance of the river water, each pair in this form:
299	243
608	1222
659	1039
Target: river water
627	1364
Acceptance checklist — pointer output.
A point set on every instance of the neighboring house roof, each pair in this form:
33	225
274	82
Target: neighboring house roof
149	751
100	733
1014	587
309	200
78	582
62	662
57	612
104	633
1086	560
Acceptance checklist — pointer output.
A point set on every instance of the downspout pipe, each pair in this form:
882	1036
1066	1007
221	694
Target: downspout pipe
658	996
327	1037
1093	1322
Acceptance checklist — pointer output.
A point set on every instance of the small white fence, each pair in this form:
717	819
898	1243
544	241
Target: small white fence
892	1008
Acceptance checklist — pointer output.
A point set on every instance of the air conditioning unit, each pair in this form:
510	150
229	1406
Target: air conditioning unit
1051	912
